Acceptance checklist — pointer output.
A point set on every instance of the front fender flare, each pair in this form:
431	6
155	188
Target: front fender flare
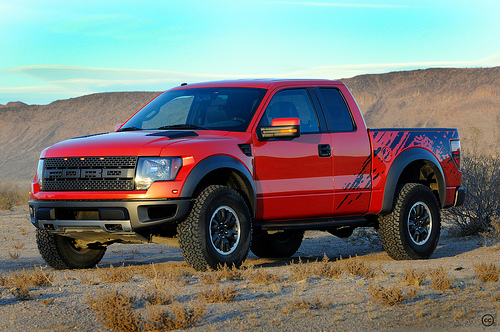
213	163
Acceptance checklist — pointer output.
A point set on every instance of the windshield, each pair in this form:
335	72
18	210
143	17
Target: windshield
220	108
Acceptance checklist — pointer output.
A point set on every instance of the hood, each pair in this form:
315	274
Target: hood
132	143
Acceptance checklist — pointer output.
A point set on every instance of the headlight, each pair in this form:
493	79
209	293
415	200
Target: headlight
39	173
151	169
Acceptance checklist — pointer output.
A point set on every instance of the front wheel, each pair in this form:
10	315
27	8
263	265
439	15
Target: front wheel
64	253
412	229
217	230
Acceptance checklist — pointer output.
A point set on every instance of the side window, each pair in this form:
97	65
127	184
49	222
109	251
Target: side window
337	110
292	104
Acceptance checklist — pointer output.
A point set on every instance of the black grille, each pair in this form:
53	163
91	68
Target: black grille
91	162
89	174
88	185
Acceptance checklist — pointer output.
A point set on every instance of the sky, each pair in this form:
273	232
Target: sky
51	50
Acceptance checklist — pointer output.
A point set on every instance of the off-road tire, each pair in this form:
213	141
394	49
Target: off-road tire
217	213
412	229
61	253
277	245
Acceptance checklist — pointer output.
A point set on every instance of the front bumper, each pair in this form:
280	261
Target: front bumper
109	216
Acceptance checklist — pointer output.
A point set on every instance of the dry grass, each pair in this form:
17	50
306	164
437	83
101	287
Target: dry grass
218	294
487	272
414	277
261	276
115	311
358	268
179	272
315	303
223	272
391	295
440	279
18	245
14	254
35	278
115	274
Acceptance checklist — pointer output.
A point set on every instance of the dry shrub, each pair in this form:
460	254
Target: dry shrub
439	279
358	268
112	275
11	194
24	278
167	271
14	254
328	269
174	319
316	303
261	276
22	293
481	177
487	272
218	294
301	271
48	301
390	295
414	277
114	310
223	272
18	245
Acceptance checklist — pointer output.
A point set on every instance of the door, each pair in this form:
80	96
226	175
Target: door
351	152
293	176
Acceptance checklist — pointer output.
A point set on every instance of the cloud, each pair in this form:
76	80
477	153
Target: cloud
344	5
56	81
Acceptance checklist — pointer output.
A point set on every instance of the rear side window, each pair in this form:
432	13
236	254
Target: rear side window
337	110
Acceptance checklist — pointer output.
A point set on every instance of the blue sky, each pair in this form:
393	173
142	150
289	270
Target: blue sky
52	50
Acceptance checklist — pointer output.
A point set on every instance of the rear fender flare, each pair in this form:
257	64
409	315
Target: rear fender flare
404	159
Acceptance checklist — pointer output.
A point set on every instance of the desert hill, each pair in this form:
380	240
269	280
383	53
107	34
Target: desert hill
468	99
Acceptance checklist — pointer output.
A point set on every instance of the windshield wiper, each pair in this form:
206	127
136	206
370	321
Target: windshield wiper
129	129
181	126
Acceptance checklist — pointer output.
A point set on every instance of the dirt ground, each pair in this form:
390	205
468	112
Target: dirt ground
312	303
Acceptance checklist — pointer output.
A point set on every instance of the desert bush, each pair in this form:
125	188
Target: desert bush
223	272
261	276
315	303
390	295
358	268
481	177
11	194
113	275
440	279
24	278
115	311
487	272
218	294
414	277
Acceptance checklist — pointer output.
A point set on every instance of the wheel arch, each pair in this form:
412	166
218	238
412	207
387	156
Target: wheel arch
414	165
222	170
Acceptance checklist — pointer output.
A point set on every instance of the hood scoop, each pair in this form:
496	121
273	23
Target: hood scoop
174	134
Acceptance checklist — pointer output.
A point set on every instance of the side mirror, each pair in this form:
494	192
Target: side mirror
118	126
282	128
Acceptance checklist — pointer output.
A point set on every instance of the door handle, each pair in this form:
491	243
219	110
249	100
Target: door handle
324	150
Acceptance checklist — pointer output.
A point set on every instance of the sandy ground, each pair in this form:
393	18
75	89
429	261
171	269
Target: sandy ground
342	303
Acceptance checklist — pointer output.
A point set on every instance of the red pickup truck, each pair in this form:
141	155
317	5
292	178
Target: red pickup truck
222	168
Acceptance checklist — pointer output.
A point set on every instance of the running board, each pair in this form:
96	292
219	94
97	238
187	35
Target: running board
313	224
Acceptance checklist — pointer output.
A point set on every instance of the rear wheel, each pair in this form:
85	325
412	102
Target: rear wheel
277	245
217	229
64	253
412	229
